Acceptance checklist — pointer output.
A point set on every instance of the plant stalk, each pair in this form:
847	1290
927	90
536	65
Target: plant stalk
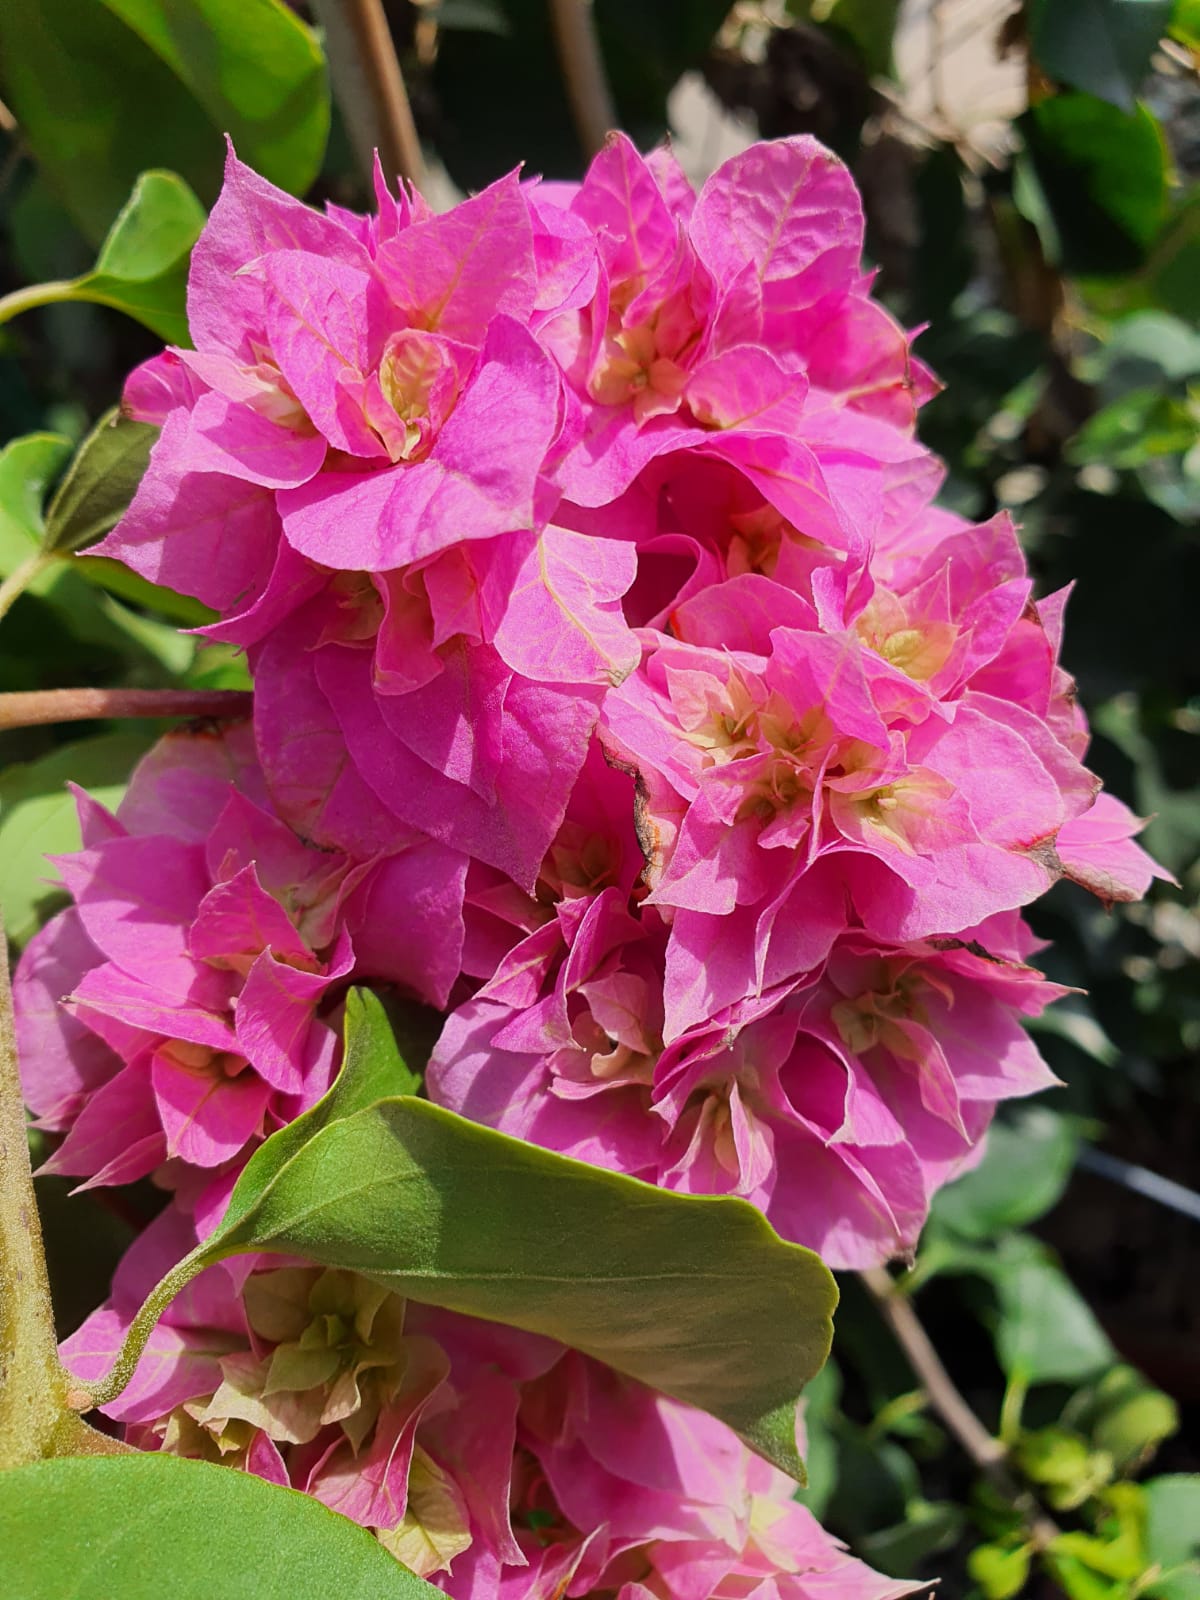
369	83
987	1452
583	73
39	706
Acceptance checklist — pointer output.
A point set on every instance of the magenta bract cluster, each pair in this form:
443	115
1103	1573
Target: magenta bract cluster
620	690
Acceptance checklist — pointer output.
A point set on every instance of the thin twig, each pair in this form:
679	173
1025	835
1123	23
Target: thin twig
583	72
370	85
986	1451
28	710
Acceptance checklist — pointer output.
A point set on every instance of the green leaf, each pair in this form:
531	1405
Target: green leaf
821	1402
1023	1174
1173	1535
1141	425
999	1570
100	482
1173	271
122	581
142	265
1125	1415
27	466
693	1295
1185	23
1100	46
37	818
929	1527
1092	179
144	1527
1045	1331
104	89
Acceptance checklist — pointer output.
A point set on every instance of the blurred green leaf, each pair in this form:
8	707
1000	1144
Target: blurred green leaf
142	265
1173	1535
820	1411
1063	1464
143	1527
1100	46
105	89
1045	1329
1139	426
1173	271
929	1527
1000	1570
37	818
1185	23
99	483
1093	182
1024	1172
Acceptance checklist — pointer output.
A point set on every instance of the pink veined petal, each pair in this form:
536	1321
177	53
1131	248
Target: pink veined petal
207	1116
563	623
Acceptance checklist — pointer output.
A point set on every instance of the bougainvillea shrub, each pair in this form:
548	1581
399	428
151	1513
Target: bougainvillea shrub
621	692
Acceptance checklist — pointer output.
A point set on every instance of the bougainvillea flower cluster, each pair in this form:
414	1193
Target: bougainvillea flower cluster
621	691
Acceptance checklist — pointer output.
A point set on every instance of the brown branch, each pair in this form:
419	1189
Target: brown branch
370	85
986	1451
39	706
583	72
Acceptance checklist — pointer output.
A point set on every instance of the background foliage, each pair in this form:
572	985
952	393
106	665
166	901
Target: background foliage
1058	266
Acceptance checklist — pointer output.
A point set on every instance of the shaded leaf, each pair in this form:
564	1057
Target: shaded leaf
1093	182
146	1526
1100	46
100	482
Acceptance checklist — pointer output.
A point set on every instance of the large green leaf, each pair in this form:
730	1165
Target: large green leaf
1092	179
696	1296
1100	46
142	265
37	818
103	90
155	1527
